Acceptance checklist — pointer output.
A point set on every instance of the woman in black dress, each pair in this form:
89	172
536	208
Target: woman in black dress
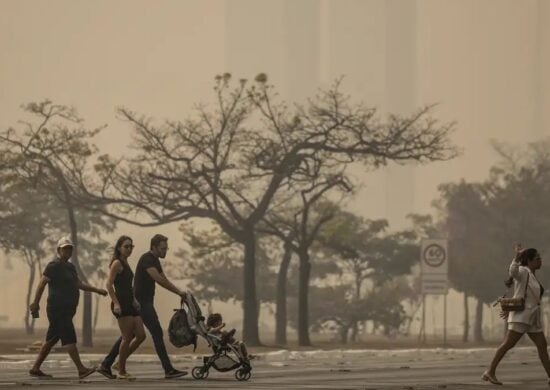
124	306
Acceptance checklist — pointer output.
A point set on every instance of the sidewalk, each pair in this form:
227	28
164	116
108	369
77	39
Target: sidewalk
283	355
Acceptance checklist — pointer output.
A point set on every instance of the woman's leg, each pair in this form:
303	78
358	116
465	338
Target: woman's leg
126	325
540	341
508	343
139	334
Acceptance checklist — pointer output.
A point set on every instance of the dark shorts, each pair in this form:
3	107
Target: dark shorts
126	310
61	327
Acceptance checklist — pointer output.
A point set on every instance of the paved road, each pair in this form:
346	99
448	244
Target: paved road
415	369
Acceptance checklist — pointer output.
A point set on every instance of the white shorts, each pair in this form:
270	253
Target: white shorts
520	327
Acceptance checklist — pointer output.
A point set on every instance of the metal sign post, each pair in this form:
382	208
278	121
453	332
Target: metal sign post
434	266
445	320
422	333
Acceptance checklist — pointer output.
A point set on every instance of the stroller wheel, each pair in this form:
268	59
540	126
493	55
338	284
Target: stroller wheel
242	374
199	372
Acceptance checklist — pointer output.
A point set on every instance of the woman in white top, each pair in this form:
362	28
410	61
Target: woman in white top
522	277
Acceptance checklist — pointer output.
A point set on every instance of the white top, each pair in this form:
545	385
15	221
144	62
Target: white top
532	313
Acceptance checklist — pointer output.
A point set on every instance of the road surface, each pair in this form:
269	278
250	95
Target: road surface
367	369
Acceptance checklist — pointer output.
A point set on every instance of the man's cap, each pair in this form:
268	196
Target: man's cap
63	242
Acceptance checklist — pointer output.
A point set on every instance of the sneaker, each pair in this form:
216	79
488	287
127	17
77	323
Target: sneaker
106	372
174	374
125	376
39	374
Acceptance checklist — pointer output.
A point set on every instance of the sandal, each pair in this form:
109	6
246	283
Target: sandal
39	374
490	378
88	372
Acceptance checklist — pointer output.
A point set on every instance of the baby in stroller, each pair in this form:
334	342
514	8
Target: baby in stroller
228	354
214	325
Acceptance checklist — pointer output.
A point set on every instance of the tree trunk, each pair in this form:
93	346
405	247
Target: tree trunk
478	325
87	339
466	332
358	283
354	331
412	317
355	325
251	334
87	301
96	313
344	331
303	297
29	323
280	309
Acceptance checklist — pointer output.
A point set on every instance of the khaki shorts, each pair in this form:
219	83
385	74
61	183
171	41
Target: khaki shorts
520	327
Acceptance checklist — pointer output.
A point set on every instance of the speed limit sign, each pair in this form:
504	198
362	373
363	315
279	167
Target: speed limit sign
434	257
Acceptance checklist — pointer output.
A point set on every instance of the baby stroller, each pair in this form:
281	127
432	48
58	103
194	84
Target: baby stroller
226	356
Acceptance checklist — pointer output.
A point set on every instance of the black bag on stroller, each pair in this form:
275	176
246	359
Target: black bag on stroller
179	330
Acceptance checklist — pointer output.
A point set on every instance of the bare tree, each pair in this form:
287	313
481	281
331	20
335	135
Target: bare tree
228	163
298	226
51	154
26	218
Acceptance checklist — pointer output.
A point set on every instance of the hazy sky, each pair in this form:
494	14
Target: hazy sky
484	61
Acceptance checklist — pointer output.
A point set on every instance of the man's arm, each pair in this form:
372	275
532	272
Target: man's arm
161	279
35	305
86	287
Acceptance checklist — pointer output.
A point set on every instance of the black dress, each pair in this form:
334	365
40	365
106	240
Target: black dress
125	292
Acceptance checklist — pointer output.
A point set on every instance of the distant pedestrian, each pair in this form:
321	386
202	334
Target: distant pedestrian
124	306
148	273
63	294
529	320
